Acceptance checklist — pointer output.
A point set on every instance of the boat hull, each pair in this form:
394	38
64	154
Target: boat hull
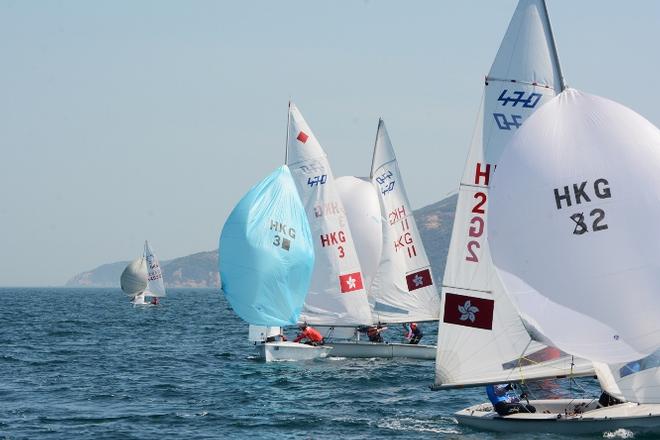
290	351
565	416
363	349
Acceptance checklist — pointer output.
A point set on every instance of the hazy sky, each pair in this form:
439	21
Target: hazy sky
125	120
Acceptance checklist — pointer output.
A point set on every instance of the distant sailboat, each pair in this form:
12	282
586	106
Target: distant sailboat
401	289
143	278
266	262
481	337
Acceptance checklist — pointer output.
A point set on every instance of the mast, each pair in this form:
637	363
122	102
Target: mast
553	48
373	154
288	122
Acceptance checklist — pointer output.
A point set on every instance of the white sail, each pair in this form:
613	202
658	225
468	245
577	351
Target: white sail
134	277
337	295
583	259
403	289
155	286
362	210
637	381
481	337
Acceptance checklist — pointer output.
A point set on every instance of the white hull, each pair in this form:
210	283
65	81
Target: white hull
290	351
565	416
363	349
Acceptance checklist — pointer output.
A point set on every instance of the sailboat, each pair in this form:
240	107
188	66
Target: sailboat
142	278
584	169
402	289
337	298
266	260
482	339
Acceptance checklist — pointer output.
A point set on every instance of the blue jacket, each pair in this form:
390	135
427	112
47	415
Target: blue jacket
499	394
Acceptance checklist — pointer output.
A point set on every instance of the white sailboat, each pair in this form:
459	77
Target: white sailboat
155	286
337	297
266	260
142	278
402	288
482	339
582	264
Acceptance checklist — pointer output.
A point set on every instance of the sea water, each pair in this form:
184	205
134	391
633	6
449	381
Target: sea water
86	364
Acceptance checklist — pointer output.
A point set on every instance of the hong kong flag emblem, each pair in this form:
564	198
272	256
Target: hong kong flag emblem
469	311
302	137
417	280
350	282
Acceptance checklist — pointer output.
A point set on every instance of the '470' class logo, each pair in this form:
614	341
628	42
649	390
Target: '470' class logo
505	122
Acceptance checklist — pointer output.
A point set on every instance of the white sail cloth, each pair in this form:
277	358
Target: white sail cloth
134	277
362	208
636	381
574	204
403	289
155	286
481	337
337	293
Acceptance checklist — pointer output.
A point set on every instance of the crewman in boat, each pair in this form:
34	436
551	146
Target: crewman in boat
155	301
412	333
506	401
309	335
374	333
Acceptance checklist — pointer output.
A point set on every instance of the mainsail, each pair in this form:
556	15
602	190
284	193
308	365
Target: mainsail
403	289
266	253
481	337
155	286
337	293
583	259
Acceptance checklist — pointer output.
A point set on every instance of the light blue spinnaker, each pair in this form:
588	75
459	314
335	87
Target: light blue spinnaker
267	254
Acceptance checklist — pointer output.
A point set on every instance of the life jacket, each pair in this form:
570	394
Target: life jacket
312	334
498	394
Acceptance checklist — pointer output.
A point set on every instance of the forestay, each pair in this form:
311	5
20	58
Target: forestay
403	289
155	286
266	253
362	210
481	338
582	262
337	293
134	277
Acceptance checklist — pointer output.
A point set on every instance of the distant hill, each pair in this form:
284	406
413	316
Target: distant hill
201	269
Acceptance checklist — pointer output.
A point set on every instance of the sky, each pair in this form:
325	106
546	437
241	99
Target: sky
123	121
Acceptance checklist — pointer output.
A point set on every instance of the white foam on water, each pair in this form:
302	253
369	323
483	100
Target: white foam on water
619	433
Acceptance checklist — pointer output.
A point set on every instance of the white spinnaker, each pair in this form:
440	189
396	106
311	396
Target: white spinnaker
403	289
492	344
362	210
134	277
155	286
337	293
584	170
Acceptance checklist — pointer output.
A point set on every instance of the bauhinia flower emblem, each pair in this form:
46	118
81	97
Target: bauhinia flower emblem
468	311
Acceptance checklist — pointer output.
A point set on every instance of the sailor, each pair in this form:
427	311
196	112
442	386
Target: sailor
374	333
413	334
309	334
155	301
506	401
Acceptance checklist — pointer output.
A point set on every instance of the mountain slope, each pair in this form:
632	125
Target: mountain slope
201	269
